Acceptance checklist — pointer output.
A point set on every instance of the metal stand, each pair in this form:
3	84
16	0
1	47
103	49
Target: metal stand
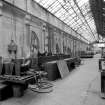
103	84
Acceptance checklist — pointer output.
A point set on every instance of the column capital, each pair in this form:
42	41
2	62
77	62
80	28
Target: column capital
44	27
27	19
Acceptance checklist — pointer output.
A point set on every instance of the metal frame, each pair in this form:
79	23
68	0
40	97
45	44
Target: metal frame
75	14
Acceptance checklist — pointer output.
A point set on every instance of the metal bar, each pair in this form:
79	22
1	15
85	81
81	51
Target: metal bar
44	2
68	17
54	6
51	4
59	9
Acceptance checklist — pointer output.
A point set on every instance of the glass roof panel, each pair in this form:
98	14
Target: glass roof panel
75	13
47	3
52	7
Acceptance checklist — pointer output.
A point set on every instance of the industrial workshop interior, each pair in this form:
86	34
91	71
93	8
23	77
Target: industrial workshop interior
52	52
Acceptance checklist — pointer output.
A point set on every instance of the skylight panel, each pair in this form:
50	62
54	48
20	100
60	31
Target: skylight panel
53	6
42	2
81	2
61	11
48	3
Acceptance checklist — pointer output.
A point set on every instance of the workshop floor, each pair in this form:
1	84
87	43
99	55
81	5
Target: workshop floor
81	87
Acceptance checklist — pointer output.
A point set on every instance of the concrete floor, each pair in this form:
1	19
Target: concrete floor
81	87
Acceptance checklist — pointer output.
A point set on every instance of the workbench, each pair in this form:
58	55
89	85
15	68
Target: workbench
12	74
18	83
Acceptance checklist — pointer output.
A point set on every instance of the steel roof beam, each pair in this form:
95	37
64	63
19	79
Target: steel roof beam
77	15
84	17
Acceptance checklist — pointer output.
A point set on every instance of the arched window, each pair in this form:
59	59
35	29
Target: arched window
34	42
